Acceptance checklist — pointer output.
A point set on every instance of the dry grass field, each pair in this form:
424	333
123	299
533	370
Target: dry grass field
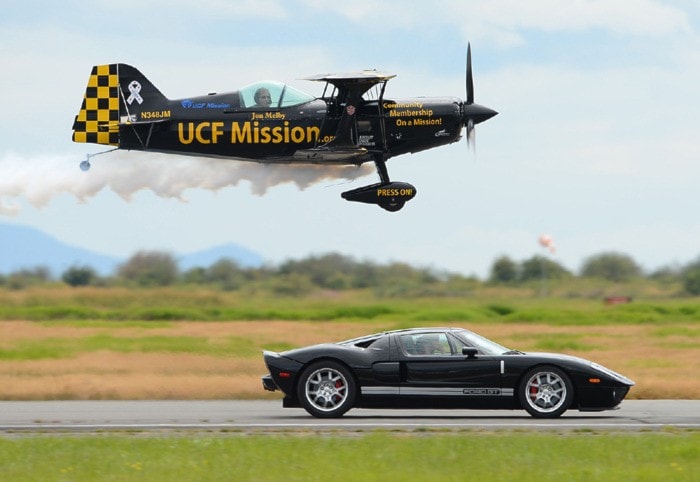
222	360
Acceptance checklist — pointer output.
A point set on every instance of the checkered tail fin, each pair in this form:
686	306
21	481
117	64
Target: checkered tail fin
116	94
98	119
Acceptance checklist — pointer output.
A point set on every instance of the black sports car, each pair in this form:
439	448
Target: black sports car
438	368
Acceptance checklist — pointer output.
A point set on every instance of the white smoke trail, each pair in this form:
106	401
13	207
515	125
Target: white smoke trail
40	179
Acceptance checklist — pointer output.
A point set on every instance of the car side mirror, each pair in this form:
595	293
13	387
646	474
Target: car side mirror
469	351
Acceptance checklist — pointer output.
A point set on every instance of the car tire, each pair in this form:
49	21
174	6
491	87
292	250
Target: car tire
327	389
546	392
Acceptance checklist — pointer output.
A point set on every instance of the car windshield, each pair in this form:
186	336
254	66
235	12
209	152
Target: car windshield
484	345
270	94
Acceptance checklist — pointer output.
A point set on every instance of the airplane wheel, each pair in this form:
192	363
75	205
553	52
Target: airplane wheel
393	207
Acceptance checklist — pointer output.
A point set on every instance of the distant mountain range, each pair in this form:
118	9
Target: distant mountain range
23	247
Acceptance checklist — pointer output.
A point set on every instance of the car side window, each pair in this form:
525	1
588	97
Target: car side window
426	344
458	344
381	344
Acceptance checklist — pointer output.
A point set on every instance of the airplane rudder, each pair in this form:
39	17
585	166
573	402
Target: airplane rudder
97	121
138	91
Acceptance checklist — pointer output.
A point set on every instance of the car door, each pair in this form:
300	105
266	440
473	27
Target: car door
433	365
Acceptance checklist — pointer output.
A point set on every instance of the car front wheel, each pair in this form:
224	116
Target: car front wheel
546	392
326	389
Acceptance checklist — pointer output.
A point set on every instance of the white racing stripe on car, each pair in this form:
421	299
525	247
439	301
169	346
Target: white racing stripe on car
380	391
439	391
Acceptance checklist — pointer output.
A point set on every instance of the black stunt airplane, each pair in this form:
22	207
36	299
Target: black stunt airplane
353	122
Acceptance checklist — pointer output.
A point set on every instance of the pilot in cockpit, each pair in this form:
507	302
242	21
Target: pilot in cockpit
262	98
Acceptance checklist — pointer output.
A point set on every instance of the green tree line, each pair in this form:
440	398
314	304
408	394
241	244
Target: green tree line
334	271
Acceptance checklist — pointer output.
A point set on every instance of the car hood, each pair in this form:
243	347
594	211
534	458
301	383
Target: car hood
583	363
559	356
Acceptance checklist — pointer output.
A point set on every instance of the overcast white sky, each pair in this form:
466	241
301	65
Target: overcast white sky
596	142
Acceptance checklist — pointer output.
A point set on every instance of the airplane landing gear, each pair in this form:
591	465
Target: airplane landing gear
388	195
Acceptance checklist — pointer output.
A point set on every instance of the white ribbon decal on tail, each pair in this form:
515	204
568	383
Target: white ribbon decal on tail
134	88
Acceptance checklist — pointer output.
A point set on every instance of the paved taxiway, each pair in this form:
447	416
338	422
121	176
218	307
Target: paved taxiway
267	415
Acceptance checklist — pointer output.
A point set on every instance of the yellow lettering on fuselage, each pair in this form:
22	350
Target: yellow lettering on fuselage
215	130
181	132
198	132
248	132
240	134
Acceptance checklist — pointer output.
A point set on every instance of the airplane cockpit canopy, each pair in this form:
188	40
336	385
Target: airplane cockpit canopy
282	95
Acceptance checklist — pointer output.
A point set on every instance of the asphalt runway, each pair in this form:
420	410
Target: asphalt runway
268	415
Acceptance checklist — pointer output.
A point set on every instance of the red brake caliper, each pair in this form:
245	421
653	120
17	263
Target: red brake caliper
338	385
533	391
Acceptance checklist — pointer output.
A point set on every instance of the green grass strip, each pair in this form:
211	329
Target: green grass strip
401	456
55	348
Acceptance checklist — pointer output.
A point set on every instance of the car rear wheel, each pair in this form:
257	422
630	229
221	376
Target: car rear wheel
546	392
326	389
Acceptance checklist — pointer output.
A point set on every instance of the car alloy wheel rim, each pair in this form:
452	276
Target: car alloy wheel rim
326	389
546	392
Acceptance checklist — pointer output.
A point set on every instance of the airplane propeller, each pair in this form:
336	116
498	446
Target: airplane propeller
472	113
469	77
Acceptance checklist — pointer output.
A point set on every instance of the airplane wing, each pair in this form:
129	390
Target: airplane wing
364	76
351	86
